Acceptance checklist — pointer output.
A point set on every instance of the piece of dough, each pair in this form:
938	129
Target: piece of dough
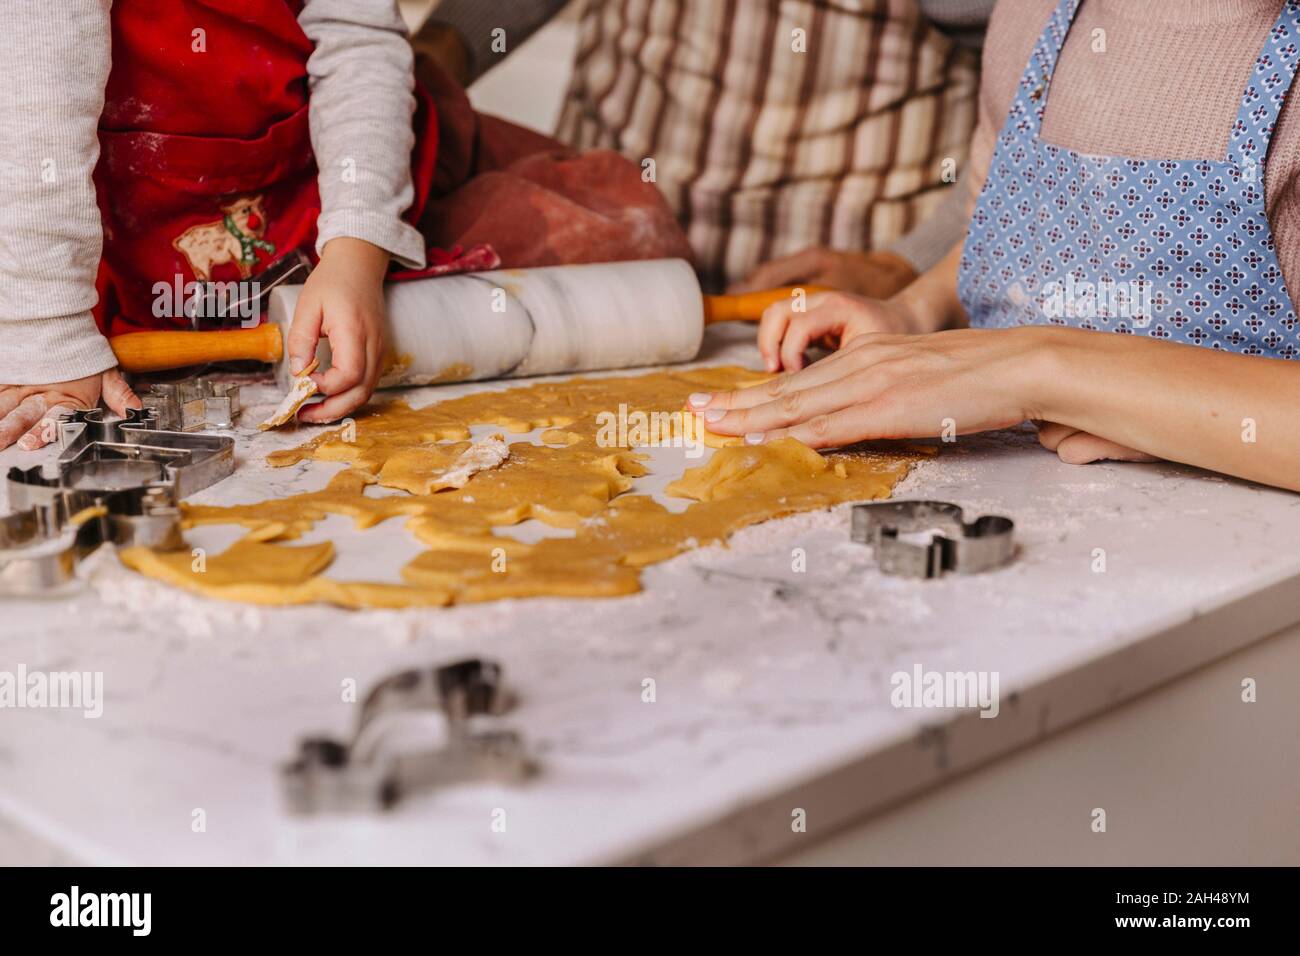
579	479
301	388
479	456
257	572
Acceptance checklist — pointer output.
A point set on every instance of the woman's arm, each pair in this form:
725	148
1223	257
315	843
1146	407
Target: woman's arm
1235	414
1229	413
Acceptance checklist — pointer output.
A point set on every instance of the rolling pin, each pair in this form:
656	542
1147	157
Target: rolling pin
501	324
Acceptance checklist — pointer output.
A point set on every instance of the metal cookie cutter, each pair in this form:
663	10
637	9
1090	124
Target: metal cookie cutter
116	480
134	451
983	545
193	405
369	773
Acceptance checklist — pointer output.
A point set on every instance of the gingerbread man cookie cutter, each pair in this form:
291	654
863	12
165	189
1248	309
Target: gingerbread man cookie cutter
371	772
893	530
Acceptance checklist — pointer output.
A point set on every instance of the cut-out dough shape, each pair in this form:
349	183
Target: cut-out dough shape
301	388
479	456
577	480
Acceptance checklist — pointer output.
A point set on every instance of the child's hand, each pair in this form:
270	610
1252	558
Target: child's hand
784	334
343	300
28	412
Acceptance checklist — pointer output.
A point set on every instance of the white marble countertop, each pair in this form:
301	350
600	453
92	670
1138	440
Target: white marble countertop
772	686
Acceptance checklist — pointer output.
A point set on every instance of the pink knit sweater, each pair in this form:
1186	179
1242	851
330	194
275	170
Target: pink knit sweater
1164	82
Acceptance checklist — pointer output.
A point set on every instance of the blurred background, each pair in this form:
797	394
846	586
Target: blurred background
528	88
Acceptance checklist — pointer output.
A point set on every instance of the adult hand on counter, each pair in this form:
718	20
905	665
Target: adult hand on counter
887	386
907	386
836	318
342	300
28	412
877	275
1077	447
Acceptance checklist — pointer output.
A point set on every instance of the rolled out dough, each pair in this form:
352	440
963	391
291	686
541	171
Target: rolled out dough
578	479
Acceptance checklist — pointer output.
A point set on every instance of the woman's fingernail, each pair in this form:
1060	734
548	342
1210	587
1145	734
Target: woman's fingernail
753	438
699	399
27	444
714	414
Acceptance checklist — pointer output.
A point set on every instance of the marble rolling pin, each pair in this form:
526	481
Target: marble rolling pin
501	324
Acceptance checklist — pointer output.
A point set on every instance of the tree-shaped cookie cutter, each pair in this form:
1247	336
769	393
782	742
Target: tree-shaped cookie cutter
953	545
371	772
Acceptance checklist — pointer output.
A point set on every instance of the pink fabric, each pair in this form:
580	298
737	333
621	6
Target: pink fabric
1149	79
534	200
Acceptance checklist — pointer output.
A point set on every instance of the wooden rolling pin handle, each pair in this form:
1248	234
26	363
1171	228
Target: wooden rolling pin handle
155	351
749	307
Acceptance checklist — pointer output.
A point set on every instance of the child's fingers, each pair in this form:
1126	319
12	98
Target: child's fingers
10	396
26	414
347	359
45	431
304	332
349	400
118	394
336	406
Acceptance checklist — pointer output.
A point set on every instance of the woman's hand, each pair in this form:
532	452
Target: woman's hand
877	275
784	333
28	413
892	386
343	300
1077	447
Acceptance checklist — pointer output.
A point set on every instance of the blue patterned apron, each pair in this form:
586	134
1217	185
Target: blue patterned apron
1174	249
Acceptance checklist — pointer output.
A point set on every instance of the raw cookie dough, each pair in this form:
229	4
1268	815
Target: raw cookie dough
578	479
301	388
258	572
479	456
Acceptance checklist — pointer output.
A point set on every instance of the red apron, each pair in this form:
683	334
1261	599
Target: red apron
206	168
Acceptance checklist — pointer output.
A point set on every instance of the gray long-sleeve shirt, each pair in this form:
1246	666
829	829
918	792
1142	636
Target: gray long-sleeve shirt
57	59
